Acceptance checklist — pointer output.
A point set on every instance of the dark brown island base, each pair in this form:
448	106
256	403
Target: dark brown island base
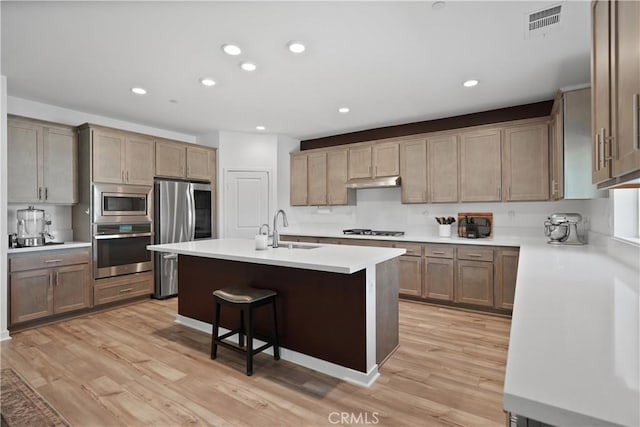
337	306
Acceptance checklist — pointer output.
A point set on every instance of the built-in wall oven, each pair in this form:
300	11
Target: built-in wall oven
121	249
122	229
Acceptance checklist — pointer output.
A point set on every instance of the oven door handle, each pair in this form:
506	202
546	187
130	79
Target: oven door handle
121	236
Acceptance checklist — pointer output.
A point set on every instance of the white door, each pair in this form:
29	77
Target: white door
246	202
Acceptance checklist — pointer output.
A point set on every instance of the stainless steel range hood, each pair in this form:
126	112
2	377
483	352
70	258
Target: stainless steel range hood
380	182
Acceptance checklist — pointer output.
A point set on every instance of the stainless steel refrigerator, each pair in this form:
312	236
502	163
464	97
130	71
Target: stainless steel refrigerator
182	212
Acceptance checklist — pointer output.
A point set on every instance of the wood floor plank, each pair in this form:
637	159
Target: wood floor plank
134	366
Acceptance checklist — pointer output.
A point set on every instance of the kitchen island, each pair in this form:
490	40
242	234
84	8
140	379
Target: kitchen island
337	305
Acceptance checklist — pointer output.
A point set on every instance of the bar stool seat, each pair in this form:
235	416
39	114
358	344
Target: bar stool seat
246	299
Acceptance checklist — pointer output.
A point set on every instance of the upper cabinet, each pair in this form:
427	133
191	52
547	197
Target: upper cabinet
525	162
337	176
480	166
298	182
442	168
319	178
413	170
42	162
615	96
374	160
122	158
180	160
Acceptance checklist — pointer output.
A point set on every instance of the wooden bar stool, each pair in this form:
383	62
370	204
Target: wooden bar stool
245	299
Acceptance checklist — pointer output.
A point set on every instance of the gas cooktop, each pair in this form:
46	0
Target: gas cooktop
369	232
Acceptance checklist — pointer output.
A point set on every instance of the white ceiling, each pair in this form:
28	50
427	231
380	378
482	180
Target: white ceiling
390	62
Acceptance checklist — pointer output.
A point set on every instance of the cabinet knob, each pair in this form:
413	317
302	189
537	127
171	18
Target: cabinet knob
39	193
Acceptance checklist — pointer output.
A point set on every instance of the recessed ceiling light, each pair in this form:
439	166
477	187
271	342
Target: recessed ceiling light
207	81
470	83
139	91
231	49
296	47
343	110
173	101
248	66
438	5
260	128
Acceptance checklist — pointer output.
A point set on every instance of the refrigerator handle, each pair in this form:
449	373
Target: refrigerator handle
191	213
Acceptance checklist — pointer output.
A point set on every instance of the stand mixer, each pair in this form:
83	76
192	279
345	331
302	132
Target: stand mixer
562	229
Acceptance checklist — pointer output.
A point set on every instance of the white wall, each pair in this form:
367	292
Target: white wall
4	333
52	113
286	145
600	212
246	151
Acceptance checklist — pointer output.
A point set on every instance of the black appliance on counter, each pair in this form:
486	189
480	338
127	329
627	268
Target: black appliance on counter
369	232
472	227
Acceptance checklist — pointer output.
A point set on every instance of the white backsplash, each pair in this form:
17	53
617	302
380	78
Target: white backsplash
60	220
381	208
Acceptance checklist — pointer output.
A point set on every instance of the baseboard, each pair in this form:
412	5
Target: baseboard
4	335
349	375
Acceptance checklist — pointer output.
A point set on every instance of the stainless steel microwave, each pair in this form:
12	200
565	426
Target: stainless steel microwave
114	203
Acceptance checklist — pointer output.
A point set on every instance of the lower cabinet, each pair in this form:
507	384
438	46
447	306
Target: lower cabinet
123	287
506	271
474	283
438	278
45	283
411	275
472	276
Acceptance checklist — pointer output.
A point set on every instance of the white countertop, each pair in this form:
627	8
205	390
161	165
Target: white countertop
332	258
573	351
426	236
66	245
574	346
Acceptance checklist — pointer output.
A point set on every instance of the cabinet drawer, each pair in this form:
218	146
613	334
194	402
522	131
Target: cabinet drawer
413	249
475	253
47	259
366	242
121	288
438	251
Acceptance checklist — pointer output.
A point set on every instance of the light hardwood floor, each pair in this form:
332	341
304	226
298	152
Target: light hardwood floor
134	366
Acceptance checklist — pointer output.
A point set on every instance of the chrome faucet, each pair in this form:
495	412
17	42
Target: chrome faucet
285	223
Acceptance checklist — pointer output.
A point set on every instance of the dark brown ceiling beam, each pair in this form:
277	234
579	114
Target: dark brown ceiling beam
519	112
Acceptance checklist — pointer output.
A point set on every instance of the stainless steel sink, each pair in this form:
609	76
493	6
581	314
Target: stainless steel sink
285	245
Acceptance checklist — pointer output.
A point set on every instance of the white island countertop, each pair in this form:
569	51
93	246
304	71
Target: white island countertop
323	257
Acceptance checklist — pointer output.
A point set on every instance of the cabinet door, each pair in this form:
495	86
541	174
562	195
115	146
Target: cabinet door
60	165
438	279
413	170
474	283
442	167
317	178
31	295
506	270
360	165
139	160
72	288
480	166
170	159
525	162
108	154
337	176
411	275
386	159
298	184
626	144
556	151
600	89
23	149
199	163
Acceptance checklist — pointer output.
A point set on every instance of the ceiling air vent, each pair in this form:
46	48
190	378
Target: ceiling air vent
542	22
